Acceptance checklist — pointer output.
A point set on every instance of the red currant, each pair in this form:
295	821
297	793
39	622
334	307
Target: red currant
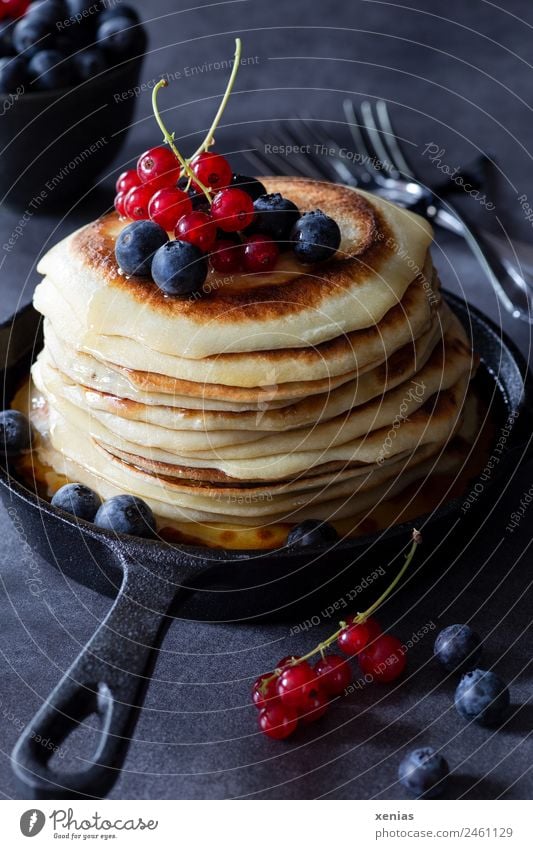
260	253
136	202
197	228
167	206
212	169
13	8
354	638
278	721
233	210
314	707
384	660
226	256
159	167
127	180
295	684
264	699
288	660
119	204
334	674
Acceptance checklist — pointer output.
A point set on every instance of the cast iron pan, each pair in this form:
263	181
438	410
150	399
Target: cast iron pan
153	580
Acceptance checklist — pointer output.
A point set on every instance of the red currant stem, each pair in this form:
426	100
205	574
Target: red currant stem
169	139
208	141
360	617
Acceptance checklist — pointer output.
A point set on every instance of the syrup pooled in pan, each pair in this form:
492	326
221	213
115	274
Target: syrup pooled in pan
421	497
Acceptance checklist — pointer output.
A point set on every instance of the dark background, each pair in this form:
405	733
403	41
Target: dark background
458	75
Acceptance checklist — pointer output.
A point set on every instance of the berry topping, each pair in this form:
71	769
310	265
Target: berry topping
126	514
295	684
199	229
167	206
384	659
250	185
260	253
136	202
316	237
77	499
424	772
136	245
212	169
119	204
458	648
226	256
312	532
15	433
354	638
483	697
333	674
275	216
179	268
278	721
233	210
159	167
127	180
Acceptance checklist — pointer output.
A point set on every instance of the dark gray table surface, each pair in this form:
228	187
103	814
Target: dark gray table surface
457	75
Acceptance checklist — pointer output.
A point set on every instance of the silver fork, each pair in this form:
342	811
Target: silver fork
381	167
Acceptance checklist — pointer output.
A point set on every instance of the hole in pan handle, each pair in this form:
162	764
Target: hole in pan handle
107	678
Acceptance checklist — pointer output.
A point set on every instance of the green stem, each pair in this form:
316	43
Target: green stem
208	141
169	139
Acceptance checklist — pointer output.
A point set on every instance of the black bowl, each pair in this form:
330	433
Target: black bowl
54	145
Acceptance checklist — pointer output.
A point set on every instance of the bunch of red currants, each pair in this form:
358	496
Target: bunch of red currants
297	693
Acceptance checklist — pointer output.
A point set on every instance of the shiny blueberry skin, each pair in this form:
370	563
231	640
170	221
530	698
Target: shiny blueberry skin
424	772
13	74
126	514
250	185
136	246
15	433
89	63
316	237
483	697
50	69
119	36
77	499
312	532
31	34
179	268
458	648
49	11
274	216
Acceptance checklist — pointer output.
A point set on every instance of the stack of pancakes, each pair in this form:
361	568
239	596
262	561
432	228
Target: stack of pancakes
266	399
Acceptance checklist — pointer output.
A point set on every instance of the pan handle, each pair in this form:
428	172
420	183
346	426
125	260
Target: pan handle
107	678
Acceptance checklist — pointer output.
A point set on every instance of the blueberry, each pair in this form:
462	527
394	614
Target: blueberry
15	433
136	246
31	34
89	63
458	648
6	38
316	237
179	268
51	69
126	514
275	216
119	36
13	74
312	532
120	12
250	185
73	8
77	499
424	772
50	11
482	696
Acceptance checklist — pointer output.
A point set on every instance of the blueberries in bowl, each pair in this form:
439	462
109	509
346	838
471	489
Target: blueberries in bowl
13	74
136	245
89	63
481	696
312	532
51	69
119	36
15	433
31	33
316	237
77	499
126	514
424	772
458	648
